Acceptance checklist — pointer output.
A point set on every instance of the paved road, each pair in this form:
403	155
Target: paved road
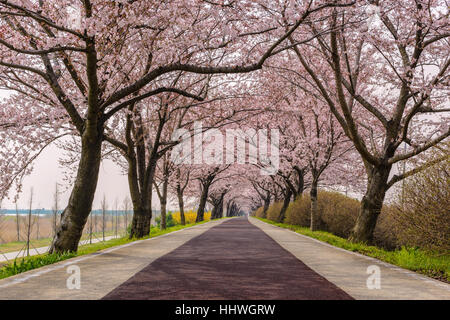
237	259
234	260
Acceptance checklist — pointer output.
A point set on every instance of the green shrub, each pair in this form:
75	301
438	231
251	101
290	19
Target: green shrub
338	212
421	215
274	211
386	230
299	212
259	212
170	221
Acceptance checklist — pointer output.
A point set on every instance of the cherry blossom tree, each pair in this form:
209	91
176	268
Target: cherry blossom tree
179	185
88	60
382	73
264	189
313	141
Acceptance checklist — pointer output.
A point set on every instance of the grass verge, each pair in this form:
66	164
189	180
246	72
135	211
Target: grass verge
20	265
415	259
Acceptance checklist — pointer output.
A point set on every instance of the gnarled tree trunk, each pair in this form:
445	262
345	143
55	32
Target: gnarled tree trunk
371	204
286	201
140	225
217	211
142	216
181	206
75	215
142	204
201	206
163	202
266	205
315	217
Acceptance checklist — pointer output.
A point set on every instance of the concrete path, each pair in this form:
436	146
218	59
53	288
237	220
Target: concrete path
10	256
319	270
349	270
233	261
99	272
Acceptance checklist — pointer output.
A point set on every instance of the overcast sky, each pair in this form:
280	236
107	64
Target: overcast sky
47	172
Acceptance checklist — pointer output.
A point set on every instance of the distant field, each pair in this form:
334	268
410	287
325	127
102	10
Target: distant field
14	232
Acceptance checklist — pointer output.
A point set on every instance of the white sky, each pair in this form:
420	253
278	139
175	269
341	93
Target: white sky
47	172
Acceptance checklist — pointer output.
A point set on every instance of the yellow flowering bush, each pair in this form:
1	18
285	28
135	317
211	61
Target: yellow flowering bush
190	216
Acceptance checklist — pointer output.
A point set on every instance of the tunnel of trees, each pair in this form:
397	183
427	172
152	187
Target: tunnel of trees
232	107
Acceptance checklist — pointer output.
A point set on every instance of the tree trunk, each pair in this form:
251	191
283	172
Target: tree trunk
201	207
75	215
143	210
214	211
142	215
163	215
315	217
18	224
371	205
181	206
266	205
141	200
163	200
140	225
220	209
232	209
217	211
300	182
287	200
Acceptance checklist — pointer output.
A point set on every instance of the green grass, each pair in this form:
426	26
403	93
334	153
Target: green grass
29	263
414	259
